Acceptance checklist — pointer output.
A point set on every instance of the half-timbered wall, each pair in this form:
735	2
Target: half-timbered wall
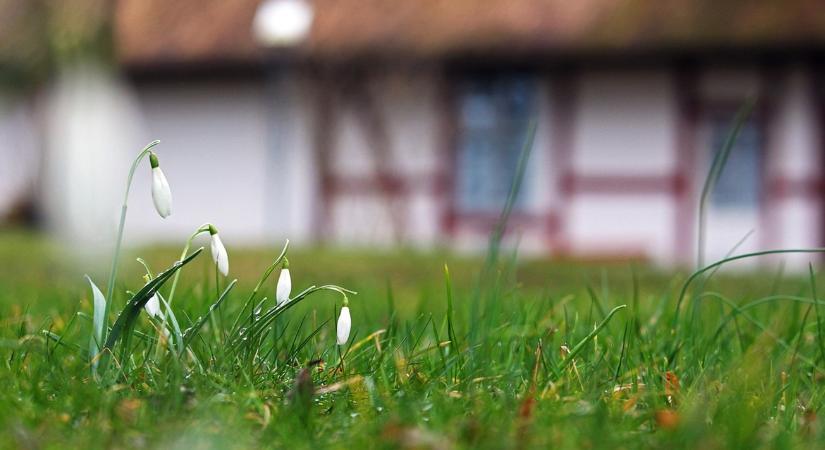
369	159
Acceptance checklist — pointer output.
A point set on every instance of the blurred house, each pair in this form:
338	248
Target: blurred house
376	122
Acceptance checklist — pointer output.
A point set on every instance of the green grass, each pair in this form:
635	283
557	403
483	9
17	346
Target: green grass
512	354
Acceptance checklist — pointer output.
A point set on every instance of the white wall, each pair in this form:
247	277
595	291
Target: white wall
796	157
214	153
625	125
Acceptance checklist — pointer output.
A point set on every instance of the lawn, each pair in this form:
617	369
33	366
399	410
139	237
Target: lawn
501	353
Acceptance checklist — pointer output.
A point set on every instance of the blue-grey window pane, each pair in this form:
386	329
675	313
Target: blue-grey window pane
494	116
739	185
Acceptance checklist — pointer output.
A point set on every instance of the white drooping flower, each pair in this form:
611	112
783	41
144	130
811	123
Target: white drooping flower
284	287
219	255
161	194
153	306
344	325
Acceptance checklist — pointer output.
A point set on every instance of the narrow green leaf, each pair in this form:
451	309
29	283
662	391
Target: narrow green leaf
98	323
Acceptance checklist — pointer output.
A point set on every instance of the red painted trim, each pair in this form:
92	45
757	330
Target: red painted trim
818	73
449	137
684	219
564	93
572	184
325	129
484	222
771	81
809	188
383	183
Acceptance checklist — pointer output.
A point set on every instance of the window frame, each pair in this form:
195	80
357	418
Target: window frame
497	86
726	110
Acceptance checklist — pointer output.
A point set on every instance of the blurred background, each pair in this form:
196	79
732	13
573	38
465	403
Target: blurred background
399	123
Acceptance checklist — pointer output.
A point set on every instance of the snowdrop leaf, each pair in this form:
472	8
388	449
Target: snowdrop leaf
191	331
126	320
98	322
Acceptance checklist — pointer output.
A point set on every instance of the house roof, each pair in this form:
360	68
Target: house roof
150	32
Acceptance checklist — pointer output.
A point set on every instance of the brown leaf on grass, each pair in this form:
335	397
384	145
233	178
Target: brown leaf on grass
262	418
525	418
672	386
630	403
338	385
809	423
667	419
128	409
413	437
300	397
525	411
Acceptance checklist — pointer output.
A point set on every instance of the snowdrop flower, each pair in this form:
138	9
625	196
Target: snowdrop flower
284	287
344	324
219	255
153	306
161	194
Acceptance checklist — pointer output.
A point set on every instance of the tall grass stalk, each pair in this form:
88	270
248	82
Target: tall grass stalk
720	159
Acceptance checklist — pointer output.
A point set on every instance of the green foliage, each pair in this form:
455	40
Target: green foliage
748	373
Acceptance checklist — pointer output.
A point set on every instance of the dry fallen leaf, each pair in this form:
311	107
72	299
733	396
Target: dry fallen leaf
672	386
667	419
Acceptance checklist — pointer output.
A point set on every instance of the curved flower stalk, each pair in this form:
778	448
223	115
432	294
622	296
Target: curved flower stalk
258	327
219	255
284	287
207	227
113	272
249	301
103	304
161	194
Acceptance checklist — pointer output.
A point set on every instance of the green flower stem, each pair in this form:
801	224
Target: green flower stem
113	272
202	229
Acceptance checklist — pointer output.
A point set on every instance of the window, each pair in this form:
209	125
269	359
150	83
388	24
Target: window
739	185
494	114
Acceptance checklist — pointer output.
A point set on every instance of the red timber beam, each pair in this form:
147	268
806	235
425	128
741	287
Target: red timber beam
447	110
772	79
817	74
685	86
563	92
325	126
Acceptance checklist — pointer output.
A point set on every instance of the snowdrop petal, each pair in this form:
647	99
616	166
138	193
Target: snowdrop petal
161	194
219	255
344	325
284	287
153	306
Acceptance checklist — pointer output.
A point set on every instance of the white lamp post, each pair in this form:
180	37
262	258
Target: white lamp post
282	23
279	26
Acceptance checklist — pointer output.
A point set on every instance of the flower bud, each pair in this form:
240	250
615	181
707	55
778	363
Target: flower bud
219	255
153	306
161	194
284	287
344	325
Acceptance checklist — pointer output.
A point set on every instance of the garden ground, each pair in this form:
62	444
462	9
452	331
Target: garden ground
497	354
